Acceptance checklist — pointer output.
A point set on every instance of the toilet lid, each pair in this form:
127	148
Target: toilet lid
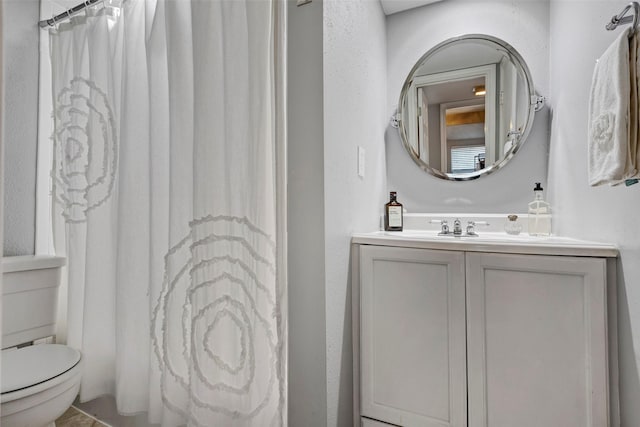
35	364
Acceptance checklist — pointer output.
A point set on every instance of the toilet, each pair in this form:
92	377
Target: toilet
39	382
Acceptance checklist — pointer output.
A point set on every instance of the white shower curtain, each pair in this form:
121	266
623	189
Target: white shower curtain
168	203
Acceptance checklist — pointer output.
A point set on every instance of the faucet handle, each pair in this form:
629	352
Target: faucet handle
471	227
445	226
479	223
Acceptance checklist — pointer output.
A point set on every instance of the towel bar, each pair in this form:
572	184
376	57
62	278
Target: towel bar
620	18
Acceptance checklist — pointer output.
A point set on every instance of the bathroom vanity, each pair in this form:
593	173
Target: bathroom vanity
491	331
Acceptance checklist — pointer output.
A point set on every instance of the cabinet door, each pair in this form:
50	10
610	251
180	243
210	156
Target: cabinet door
412	321
536	341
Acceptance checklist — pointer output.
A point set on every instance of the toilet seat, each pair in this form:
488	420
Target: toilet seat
31	369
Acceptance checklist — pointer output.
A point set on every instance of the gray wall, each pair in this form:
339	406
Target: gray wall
522	23
607	214
20	35
337	80
306	264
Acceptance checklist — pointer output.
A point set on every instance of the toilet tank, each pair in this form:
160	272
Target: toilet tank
29	297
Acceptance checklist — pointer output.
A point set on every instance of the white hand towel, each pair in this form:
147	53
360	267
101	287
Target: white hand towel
635	81
609	155
632	122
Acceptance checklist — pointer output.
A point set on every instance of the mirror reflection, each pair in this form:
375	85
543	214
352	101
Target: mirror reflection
466	107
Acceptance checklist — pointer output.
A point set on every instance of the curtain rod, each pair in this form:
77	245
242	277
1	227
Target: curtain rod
67	14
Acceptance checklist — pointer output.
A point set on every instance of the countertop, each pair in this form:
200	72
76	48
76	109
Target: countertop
496	242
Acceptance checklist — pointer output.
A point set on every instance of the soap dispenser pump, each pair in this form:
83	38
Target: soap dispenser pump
539	214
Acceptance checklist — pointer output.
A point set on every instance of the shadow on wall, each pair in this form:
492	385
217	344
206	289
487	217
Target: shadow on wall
627	363
508	190
345	394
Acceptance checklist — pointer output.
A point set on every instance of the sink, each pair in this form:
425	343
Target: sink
431	221
420	232
499	242
486	236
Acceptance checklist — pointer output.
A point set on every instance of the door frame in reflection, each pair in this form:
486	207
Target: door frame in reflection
470	105
417	115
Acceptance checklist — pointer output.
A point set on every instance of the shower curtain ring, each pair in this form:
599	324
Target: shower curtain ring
53	22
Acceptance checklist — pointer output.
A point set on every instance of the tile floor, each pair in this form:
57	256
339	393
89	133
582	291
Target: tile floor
75	418
104	409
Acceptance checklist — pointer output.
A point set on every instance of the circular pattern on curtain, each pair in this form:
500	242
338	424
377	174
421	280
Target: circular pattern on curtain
85	158
215	323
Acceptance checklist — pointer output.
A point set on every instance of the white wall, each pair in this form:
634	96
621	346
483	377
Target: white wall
359	62
20	35
354	115
607	214
522	23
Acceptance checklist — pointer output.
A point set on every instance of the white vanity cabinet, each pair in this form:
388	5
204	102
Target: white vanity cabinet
483	336
412	334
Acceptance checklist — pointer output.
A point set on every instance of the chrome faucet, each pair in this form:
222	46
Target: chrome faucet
457	227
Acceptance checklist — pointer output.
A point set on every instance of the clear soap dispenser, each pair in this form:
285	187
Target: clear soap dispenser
539	214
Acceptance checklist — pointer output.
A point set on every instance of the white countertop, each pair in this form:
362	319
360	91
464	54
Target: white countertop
498	242
11	264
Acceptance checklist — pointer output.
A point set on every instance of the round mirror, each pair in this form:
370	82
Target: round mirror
466	107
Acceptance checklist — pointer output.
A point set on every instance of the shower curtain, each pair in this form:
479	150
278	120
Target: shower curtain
167	179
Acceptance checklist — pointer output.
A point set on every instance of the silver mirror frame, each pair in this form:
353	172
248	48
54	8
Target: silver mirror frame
535	104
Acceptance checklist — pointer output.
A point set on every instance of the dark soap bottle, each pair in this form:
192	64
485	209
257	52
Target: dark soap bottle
393	214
